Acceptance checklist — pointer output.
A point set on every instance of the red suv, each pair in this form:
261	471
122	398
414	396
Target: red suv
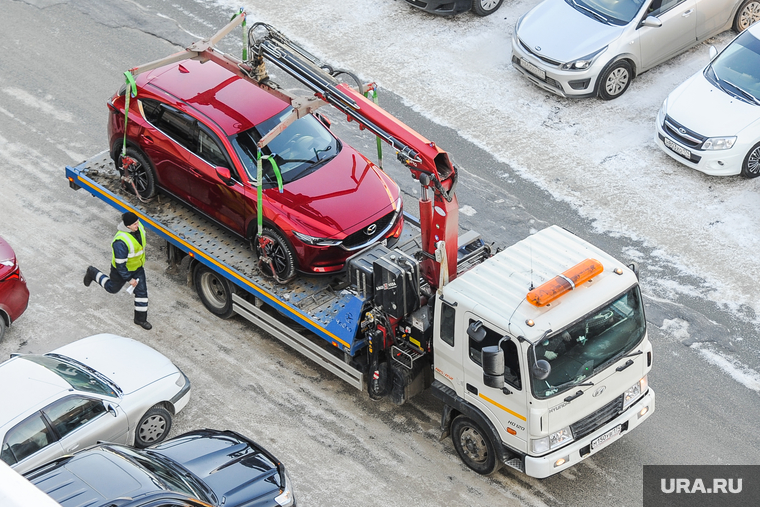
14	295
193	130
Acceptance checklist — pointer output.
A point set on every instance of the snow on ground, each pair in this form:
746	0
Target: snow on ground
598	156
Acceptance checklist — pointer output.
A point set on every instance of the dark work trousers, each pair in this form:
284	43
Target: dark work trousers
114	282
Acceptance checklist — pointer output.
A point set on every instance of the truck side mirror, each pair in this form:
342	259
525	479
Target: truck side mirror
225	175
476	331
492	358
541	369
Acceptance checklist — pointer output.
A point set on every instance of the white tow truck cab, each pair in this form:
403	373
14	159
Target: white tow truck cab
541	355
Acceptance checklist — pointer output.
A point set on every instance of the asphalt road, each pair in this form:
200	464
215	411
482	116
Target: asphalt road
61	60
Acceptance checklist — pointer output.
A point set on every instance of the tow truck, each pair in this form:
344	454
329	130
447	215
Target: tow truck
539	353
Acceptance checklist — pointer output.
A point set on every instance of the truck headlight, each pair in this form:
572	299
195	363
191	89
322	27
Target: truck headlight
311	240
634	392
556	439
584	62
719	143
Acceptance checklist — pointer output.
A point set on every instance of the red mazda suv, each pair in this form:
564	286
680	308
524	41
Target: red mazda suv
192	131
14	295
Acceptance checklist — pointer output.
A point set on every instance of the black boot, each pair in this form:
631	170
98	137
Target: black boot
144	324
90	275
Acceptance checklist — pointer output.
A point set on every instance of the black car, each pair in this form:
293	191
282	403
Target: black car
203	468
451	7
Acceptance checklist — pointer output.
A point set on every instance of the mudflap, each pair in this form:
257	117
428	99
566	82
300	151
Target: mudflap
406	383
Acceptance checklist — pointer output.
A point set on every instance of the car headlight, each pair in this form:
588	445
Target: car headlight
311	240
662	112
556	439
583	63
286	498
634	392
719	143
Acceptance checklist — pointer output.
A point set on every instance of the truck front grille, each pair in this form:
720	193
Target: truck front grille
596	419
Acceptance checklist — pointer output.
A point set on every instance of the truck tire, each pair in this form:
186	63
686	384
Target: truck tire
142	173
153	427
214	290
473	446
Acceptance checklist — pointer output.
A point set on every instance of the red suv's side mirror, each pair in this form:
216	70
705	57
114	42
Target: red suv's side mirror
224	175
327	123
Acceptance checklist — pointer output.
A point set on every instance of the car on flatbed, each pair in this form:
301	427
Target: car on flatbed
193	133
202	468
104	387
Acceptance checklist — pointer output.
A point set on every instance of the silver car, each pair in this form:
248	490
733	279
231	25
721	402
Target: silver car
587	48
101	388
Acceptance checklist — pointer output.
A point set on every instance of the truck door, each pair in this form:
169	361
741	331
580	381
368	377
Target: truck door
448	345
507	408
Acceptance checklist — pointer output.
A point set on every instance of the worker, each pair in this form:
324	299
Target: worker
127	261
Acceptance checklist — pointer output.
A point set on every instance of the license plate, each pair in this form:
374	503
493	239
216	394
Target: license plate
532	68
602	440
677	148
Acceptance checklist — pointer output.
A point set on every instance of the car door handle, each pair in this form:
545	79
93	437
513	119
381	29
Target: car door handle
687	13
147	139
72	448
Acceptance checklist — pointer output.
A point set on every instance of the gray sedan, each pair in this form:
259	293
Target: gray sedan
586	48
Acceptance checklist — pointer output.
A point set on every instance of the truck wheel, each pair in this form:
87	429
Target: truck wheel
485	7
153	427
142	173
280	252
214	290
474	446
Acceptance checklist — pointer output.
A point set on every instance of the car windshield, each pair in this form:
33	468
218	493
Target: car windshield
79	376
737	69
300	149
173	476
608	11
598	339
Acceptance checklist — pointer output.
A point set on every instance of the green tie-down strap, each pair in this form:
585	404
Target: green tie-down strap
379	141
130	91
259	182
245	34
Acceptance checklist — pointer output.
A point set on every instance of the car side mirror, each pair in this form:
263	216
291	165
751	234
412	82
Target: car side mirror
111	409
651	22
327	123
713	52
225	175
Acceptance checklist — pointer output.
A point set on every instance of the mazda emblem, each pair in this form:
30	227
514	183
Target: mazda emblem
599	391
369	231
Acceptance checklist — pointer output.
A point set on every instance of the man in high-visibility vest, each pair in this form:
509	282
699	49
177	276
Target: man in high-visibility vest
127	263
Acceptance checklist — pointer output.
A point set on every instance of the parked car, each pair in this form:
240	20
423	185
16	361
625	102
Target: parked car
14	294
194	129
103	387
451	7
711	122
588	48
201	468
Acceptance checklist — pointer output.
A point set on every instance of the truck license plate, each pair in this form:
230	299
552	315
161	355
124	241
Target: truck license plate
678	149
600	441
525	64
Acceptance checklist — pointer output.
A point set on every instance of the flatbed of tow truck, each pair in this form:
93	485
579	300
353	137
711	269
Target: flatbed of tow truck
325	312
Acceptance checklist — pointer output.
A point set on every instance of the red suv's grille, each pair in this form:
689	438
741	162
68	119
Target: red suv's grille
363	237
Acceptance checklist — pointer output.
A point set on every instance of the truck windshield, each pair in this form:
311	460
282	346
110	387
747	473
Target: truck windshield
298	150
588	345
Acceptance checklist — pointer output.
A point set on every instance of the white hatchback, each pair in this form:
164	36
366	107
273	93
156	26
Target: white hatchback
711	122
100	388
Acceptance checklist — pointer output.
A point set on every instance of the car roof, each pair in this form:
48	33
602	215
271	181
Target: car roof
229	100
33	387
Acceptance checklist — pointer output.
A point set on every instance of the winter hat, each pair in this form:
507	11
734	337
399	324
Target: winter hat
129	218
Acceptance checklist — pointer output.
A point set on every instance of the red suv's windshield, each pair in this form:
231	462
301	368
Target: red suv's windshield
300	149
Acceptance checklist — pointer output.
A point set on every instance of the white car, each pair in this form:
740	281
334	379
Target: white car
589	48
711	122
100	388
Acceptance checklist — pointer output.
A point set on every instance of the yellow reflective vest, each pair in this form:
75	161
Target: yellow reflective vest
136	254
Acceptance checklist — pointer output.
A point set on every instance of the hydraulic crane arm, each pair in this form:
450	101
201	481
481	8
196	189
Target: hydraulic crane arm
428	164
